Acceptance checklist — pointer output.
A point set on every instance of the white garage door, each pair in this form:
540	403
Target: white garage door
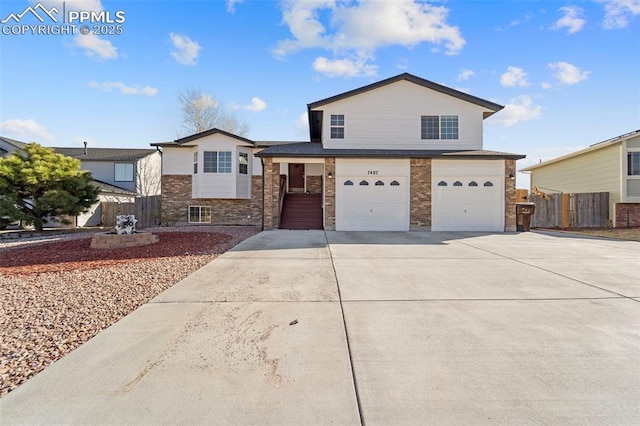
467	195
372	195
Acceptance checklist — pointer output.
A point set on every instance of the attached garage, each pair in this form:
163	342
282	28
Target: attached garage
468	195
372	195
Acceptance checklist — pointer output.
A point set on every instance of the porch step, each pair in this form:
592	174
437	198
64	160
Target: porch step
301	211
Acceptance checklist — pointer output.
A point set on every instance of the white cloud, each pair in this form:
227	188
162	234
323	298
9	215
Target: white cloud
344	67
619	12
93	45
572	20
186	50
465	75
514	77
206	101
567	73
516	111
545	85
107	86
27	129
231	5
357	29
302	124
256	105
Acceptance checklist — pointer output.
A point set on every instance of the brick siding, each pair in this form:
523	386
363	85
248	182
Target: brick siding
176	199
509	196
330	195
627	215
314	184
420	187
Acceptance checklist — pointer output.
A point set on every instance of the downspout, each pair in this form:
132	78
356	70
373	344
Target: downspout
262	163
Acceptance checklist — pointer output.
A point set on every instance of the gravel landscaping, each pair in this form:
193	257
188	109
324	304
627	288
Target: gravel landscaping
58	293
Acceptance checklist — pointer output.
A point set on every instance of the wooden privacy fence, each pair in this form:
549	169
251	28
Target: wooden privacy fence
583	210
146	210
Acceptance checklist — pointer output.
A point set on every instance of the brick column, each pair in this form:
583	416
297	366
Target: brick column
420	194
271	193
330	194
509	196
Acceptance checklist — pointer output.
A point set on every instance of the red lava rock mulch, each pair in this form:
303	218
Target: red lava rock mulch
77	254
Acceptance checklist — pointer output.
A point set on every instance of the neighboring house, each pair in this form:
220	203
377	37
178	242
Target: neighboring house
8	146
611	166
400	154
122	174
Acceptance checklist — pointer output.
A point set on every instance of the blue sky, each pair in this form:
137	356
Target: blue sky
567	72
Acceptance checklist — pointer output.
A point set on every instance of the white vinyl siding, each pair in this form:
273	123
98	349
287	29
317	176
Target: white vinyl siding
595	171
177	161
389	118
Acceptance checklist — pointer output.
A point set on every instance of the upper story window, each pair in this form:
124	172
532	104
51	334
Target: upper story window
195	163
123	172
217	162
337	126
439	127
243	163
633	164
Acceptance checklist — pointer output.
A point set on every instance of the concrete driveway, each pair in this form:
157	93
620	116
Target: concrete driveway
379	328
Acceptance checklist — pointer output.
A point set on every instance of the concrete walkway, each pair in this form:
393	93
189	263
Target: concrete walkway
379	328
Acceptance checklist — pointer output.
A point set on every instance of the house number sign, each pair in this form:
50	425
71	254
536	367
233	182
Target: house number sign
372	172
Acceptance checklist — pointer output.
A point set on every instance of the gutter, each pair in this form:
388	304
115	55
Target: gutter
262	163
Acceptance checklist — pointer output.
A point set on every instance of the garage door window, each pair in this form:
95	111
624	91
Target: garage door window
379	183
473	183
487	183
442	183
457	183
364	183
395	183
348	183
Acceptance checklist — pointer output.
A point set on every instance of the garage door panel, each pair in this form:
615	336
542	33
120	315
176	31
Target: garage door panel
382	207
468	195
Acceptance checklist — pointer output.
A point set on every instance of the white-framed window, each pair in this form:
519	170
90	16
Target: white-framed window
199	214
439	127
633	163
337	126
243	163
217	162
123	172
195	163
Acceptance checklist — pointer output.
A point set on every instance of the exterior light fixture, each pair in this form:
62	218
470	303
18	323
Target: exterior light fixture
330	175
512	176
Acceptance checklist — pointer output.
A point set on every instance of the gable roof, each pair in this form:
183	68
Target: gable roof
212	132
416	80
107	188
594	147
105	154
16	144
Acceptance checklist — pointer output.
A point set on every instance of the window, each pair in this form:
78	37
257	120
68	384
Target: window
633	164
364	183
488	183
348	183
439	127
337	126
123	172
195	163
442	183
199	214
457	183
217	162
473	183
395	183
243	163
449	127
379	183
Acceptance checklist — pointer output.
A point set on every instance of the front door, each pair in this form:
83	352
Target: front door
296	177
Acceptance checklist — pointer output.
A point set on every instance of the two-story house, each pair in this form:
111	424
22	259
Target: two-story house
397	155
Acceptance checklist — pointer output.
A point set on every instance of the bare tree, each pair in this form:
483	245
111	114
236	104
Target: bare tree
200	112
